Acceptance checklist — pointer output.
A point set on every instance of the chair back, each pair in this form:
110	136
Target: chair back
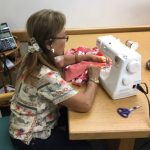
5	141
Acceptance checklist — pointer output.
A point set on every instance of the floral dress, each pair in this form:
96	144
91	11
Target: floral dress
34	109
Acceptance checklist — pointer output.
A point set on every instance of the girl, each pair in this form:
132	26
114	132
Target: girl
41	90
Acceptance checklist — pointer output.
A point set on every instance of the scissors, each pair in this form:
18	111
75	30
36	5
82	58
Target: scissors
125	112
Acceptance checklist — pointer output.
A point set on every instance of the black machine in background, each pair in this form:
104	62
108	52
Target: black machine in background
7	41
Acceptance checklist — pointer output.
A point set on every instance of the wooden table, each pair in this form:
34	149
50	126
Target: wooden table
103	122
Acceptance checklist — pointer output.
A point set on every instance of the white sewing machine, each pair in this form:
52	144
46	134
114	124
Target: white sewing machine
119	80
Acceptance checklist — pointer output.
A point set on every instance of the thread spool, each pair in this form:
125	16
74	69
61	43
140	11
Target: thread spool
148	65
133	45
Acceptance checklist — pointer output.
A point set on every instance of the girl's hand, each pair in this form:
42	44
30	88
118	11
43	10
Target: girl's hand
93	72
101	59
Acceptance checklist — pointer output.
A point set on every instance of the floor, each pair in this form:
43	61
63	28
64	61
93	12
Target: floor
140	144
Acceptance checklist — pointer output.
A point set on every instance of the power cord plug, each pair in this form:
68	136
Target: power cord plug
140	88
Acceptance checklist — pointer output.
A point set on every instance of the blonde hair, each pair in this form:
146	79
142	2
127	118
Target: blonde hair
43	26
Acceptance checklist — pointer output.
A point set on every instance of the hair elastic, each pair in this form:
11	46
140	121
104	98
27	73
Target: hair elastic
34	46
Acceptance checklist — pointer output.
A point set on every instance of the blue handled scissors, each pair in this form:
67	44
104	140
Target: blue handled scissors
125	112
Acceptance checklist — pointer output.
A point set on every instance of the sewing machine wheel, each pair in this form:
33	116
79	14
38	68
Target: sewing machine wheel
133	66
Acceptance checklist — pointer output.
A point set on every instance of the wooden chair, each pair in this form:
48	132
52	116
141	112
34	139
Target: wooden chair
5	99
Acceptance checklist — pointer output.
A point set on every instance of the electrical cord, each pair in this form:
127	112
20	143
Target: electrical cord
145	91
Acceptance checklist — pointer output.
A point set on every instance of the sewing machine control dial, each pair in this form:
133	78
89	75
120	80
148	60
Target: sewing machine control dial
133	66
126	81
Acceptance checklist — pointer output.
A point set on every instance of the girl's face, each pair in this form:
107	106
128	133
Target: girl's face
59	43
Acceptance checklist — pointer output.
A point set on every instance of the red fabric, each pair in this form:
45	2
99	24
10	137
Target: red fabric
77	73
84	50
75	70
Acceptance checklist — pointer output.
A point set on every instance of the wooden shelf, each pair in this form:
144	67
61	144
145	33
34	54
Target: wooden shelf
8	52
17	62
14	56
11	51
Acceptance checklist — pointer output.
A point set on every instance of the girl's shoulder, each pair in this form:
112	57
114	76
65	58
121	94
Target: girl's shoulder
44	70
45	76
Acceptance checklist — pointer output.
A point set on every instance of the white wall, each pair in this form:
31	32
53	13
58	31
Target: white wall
80	13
